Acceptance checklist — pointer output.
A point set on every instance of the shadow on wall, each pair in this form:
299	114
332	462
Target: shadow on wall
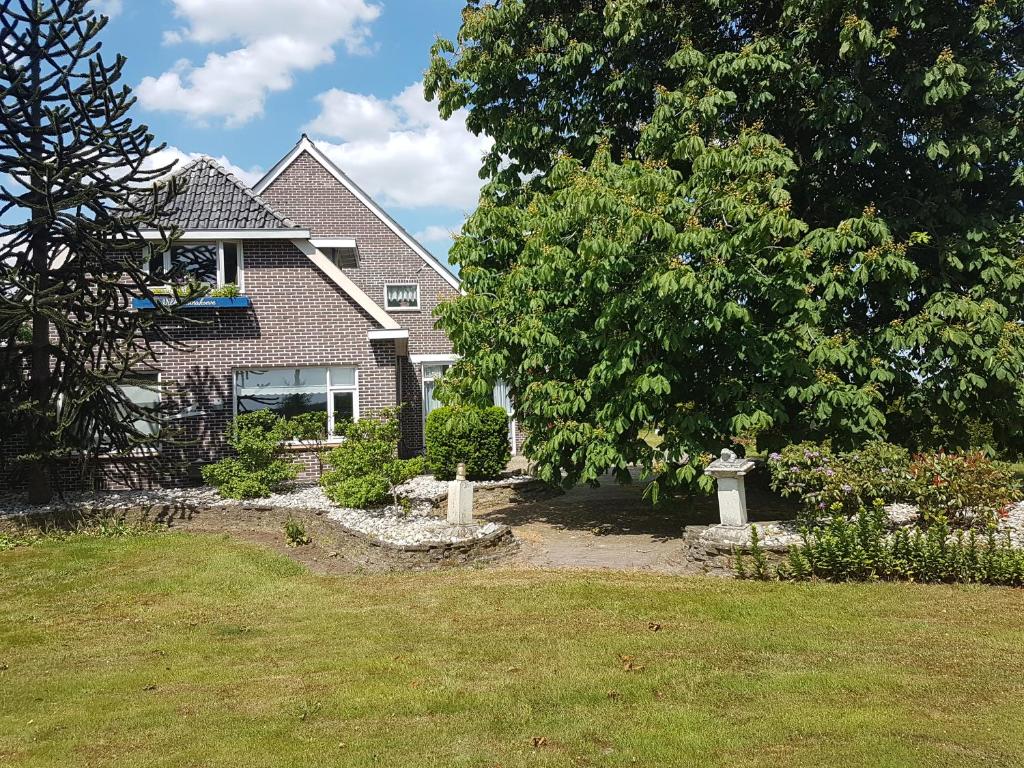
221	325
201	406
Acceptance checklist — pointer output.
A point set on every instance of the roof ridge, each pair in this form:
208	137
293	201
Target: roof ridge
242	186
248	191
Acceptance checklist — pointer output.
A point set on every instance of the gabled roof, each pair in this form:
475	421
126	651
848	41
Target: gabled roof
215	199
305	145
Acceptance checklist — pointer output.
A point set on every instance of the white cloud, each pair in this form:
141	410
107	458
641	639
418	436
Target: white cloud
279	37
169	155
109	8
399	150
435	234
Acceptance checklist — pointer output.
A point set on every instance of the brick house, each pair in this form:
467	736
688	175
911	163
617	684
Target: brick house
335	311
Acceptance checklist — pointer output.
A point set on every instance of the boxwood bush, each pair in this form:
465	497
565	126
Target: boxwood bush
258	469
477	436
365	469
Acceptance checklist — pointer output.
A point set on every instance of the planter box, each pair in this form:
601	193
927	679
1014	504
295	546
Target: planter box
206	302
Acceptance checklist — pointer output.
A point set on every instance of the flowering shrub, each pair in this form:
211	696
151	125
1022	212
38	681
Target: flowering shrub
821	479
969	489
959	488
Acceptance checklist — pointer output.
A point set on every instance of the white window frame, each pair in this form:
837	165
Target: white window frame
329	389
159	391
389	308
446	364
220	259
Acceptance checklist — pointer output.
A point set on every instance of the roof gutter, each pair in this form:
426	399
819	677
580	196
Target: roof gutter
230	234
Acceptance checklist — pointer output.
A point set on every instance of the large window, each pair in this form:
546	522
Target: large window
291	391
145	395
214	263
431	373
402	297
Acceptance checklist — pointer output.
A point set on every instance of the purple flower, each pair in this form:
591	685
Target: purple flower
794	468
821	505
774	456
847	488
829	472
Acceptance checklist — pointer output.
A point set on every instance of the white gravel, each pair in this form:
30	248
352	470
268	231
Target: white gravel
428	487
392	525
1013	524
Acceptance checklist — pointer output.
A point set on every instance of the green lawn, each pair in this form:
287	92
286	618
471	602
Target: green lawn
178	650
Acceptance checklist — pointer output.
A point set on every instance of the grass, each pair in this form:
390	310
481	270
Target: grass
178	650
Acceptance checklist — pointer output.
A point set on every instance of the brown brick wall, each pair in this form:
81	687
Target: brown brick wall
298	318
308	194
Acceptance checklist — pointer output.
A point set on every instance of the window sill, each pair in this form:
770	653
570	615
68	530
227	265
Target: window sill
206	302
401	309
334	442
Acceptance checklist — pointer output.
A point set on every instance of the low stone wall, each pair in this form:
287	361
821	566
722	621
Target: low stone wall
374	553
712	549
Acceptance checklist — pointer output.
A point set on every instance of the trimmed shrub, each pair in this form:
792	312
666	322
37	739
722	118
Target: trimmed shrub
476	436
860	549
257	470
365	468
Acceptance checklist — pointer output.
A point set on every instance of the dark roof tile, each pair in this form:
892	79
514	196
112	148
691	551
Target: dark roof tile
214	198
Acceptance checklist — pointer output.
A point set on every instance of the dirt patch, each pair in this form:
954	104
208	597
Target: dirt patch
607	527
611	526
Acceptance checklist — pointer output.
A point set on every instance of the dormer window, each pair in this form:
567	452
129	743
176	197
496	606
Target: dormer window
216	263
401	297
342	252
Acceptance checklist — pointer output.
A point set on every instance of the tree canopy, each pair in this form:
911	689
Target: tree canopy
731	221
71	246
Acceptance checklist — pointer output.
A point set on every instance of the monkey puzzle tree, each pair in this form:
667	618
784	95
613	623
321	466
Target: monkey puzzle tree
71	164
741	221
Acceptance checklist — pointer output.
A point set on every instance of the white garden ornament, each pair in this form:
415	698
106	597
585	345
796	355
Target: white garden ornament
460	498
729	470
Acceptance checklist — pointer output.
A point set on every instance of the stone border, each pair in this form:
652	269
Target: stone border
358	548
713	548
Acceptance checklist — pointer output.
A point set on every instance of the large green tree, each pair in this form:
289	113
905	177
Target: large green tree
71	215
724	220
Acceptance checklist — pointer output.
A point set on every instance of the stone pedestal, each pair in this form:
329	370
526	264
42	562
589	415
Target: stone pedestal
460	499
729	470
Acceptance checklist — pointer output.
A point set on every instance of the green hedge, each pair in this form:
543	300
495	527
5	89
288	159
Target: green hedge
477	436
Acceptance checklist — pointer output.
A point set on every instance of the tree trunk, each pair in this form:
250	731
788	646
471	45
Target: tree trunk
39	488
39	423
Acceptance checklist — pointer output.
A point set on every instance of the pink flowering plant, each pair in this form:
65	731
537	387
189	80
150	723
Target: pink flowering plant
826	482
963	490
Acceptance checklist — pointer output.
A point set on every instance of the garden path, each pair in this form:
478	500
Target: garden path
611	526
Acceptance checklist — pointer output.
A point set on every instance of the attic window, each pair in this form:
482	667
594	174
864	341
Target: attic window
345	258
214	263
341	251
402	296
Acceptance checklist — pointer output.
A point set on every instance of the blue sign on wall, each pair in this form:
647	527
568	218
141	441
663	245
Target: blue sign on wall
206	302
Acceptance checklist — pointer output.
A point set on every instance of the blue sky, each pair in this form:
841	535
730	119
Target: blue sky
242	79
